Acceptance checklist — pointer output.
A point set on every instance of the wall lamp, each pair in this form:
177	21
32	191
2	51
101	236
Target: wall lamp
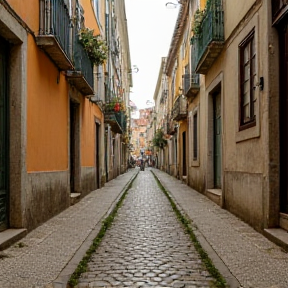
135	69
173	5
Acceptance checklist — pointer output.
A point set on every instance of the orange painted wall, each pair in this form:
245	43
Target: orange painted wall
28	11
47	113
89	112
90	18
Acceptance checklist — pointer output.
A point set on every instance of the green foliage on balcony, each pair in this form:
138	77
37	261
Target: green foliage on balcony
95	46
159	140
208	27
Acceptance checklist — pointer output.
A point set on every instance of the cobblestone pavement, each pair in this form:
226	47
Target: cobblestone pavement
146	245
254	261
37	260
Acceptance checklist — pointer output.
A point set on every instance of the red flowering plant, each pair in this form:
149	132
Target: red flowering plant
115	105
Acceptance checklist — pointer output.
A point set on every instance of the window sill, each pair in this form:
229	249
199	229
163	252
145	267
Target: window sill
247	134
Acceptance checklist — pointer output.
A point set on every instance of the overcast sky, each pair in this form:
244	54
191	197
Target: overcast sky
150	29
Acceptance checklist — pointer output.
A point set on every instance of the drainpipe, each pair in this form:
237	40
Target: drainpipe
41	28
70	30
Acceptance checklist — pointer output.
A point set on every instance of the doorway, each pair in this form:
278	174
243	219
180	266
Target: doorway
97	163
4	146
217	135
74	148
184	172
283	101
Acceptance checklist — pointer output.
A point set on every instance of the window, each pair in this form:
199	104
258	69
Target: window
195	136
247	82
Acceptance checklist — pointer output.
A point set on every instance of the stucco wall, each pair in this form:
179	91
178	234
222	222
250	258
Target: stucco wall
47	113
28	12
243	196
235	11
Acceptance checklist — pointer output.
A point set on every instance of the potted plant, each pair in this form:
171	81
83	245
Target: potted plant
95	47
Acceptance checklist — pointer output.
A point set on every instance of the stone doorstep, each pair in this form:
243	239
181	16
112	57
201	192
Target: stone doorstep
278	236
74	198
10	236
283	221
215	195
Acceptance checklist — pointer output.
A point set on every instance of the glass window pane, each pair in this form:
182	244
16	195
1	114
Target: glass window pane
247	72
246	53
246	113
246	88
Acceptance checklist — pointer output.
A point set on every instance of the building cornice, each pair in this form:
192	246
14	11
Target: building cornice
177	36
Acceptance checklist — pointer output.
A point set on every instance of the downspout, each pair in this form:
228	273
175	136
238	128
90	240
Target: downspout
71	25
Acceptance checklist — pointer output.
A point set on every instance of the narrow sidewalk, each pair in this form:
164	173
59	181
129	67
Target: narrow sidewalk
60	243
252	260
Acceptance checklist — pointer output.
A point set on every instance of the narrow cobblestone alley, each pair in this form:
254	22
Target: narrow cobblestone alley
146	245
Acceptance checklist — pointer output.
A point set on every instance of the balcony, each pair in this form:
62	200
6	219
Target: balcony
54	32
209	43
179	111
117	120
191	85
82	75
171	129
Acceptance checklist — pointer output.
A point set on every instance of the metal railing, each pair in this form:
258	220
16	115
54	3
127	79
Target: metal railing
212	29
55	20
190	81
179	110
81	60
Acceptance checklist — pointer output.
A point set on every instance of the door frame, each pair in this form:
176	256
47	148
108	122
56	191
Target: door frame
17	36
5	133
74	154
215	86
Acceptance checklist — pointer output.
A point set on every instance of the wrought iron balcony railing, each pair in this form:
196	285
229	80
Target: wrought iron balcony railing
209	42
82	76
179	110
170	125
116	119
191	84
54	35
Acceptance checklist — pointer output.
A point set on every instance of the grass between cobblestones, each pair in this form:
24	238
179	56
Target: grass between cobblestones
82	266
219	280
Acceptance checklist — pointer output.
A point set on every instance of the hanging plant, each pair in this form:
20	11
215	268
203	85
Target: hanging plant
159	140
197	23
95	47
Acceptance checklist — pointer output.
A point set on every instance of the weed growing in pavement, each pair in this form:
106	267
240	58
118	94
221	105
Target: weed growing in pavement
3	255
219	280
82	266
20	245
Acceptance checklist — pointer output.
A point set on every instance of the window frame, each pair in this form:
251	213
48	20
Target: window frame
250	38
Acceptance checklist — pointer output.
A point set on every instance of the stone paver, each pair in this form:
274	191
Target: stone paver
47	249
146	245
252	259
255	261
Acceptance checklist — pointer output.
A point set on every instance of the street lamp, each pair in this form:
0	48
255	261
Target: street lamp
135	69
173	5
